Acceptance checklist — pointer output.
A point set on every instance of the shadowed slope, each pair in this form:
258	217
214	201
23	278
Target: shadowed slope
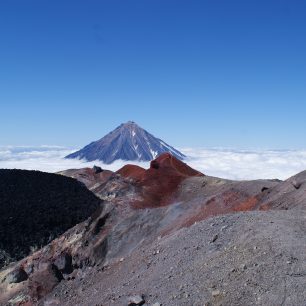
36	207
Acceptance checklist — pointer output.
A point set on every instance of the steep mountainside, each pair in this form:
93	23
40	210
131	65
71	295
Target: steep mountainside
127	142
36	207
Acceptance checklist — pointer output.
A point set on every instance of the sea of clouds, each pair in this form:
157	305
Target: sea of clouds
225	163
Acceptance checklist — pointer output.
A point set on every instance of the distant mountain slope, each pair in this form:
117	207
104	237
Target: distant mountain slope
127	142
36	207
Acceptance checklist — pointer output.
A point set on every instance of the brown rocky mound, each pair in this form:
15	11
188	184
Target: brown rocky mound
160	181
89	176
132	171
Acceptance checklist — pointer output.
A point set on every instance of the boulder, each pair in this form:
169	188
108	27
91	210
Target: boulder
97	169
64	263
43	281
16	276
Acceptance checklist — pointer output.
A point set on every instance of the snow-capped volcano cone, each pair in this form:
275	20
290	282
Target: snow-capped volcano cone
127	142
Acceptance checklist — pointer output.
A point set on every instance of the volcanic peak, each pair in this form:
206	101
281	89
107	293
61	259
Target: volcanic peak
127	142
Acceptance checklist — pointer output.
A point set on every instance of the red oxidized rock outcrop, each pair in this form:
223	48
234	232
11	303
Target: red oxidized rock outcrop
132	171
161	180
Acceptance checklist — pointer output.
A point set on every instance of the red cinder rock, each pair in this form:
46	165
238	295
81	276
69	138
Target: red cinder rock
161	180
132	171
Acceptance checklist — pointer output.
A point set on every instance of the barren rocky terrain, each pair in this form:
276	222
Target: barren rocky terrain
169	235
252	258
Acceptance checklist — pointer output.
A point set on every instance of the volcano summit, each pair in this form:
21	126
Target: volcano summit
127	142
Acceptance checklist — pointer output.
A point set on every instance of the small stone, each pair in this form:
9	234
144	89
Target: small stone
215	238
215	293
243	267
29	269
156	252
296	184
135	300
121	259
157	304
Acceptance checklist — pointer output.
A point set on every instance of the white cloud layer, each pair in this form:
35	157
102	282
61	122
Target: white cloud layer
48	159
242	164
226	163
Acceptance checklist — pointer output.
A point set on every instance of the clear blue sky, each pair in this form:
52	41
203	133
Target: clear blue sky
195	73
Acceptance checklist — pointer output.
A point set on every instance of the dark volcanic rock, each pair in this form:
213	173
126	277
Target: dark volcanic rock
127	142
97	169
64	263
16	276
36	207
